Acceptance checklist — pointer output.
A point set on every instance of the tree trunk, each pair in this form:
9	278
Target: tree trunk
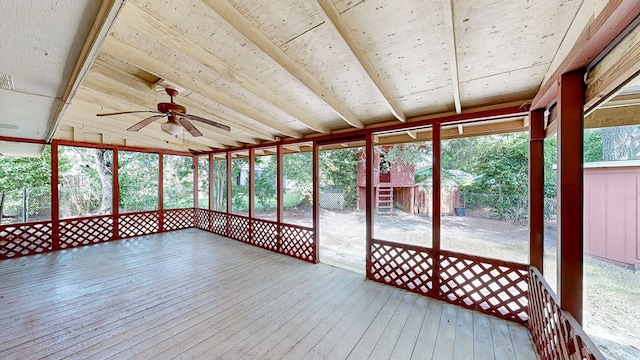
106	177
617	143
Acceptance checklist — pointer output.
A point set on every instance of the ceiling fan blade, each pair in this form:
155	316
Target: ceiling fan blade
128	112
146	122
207	121
189	127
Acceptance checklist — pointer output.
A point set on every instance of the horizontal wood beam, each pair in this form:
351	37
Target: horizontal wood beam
616	116
595	38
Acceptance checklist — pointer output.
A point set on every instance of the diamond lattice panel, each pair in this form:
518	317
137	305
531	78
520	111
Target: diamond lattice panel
491	286
219	223
551	331
25	239
203	219
264	234
177	219
239	228
298	242
78	232
403	266
137	224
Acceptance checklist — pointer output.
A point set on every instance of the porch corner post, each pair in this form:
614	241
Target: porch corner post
160	192
279	194
316	200
252	189
570	191
369	171
536	189
55	198
211	182
229	177
194	165
115	194
436	208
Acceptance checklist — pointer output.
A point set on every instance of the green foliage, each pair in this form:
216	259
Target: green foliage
178	181
411	154
592	145
138	180
339	170
22	172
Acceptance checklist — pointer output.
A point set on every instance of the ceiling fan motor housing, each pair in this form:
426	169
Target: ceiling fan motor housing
171	107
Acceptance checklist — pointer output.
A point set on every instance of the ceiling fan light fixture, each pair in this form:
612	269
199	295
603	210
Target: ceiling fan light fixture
171	128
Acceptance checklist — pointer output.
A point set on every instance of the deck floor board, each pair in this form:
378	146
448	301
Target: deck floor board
192	294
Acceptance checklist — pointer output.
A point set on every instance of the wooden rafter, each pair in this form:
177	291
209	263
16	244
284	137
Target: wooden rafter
335	20
167	71
447	8
165	34
235	19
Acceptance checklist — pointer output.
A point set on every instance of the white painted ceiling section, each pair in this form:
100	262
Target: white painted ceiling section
40	46
271	69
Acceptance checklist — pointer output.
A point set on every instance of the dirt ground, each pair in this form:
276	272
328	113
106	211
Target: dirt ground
612	293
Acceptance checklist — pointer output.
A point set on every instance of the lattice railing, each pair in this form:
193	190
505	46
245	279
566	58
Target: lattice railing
136	224
176	219
495	287
298	241
219	223
556	334
404	266
264	234
203	219
25	239
85	231
238	227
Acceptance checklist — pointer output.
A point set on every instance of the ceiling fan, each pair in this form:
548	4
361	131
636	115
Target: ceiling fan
176	114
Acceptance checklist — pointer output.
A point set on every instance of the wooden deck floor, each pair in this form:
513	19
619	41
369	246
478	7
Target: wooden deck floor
192	294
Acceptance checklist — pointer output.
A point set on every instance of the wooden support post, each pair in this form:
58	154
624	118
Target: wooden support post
252	181
229	207
211	181
160	192
194	161
115	191
279	193
369	171
55	198
316	200
436	206
570	190
536	189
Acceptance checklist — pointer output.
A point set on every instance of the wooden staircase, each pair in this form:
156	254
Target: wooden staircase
384	200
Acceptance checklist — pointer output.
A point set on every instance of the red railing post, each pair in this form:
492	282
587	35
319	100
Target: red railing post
369	188
115	189
211	182
570	189
229	203
436	206
536	188
316	201
279	195
55	198
160	192
252	189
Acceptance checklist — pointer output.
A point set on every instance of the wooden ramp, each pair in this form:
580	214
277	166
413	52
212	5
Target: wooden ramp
192	294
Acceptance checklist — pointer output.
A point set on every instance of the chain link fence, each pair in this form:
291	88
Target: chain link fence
26	205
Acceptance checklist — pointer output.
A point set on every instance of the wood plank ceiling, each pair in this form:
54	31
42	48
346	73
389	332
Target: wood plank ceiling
294	68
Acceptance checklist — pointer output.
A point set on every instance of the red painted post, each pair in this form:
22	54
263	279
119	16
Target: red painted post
279	193
536	189
55	198
316	200
570	191
115	189
436	206
252	190
194	161
229	207
160	192
211	181
370	216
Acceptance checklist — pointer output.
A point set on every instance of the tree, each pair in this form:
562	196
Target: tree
619	143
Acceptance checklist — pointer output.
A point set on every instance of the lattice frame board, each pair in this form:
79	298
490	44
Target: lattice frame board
555	333
403	266
491	286
85	231
25	239
177	219
136	224
298	241
203	219
264	234
219	223
238	227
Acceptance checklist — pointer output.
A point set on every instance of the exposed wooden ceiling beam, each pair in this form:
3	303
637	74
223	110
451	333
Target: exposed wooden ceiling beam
335	20
131	89
617	68
447	8
165	34
412	134
612	21
106	17
234	18
174	74
616	116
